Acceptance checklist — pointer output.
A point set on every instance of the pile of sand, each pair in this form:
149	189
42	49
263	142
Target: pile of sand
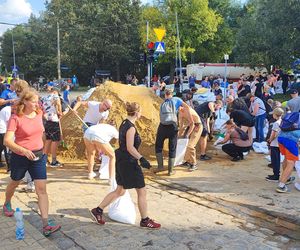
119	94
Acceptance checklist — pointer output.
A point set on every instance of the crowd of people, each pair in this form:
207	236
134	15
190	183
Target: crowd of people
30	129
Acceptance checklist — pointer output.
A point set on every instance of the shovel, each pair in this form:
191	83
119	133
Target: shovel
79	118
62	142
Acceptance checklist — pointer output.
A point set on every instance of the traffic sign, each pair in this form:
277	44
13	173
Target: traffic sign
160	47
160	33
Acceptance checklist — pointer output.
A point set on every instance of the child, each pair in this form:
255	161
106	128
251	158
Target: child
66	94
273	141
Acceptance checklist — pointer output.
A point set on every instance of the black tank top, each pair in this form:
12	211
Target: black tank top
203	110
125	125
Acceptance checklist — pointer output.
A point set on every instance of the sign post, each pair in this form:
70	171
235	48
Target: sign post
226	58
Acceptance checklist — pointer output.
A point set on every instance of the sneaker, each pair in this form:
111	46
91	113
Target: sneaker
7	210
205	158
193	168
186	164
290	180
55	164
50	228
92	175
98	217
283	189
238	158
151	224
272	178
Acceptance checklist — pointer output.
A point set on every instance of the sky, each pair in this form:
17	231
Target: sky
18	11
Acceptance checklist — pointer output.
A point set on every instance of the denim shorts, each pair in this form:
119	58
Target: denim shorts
20	164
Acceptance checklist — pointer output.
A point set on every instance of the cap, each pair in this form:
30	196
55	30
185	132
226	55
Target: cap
50	84
293	91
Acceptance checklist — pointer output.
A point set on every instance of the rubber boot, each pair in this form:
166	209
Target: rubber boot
171	166
160	162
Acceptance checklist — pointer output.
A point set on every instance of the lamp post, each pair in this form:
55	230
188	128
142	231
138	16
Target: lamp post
226	58
14	54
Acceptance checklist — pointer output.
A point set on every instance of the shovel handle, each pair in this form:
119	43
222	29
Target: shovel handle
79	118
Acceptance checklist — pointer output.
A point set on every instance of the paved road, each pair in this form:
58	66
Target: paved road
185	224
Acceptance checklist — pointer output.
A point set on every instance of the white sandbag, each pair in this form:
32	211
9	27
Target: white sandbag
122	209
180	151
260	147
219	124
104	168
297	166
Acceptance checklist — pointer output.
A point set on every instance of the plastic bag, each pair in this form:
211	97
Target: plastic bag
260	147
180	150
104	168
122	209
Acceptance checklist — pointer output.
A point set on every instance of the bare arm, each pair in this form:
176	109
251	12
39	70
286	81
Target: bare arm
79	103
10	143
255	109
130	144
4	102
226	138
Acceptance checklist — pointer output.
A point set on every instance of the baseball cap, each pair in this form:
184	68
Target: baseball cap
50	84
293	91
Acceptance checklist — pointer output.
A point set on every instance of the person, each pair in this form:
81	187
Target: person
52	112
162	88
169	129
5	114
258	89
128	171
285	82
74	81
9	95
205	83
78	99
192	81
24	138
258	110
294	103
190	154
238	144
274	148
96	139
176	83
216	88
205	111
242	119
243	89
96	113
288	142
237	104
66	94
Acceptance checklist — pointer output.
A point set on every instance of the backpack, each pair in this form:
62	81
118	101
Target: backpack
167	113
290	122
243	135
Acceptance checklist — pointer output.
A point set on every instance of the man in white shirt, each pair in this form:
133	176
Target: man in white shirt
96	113
5	114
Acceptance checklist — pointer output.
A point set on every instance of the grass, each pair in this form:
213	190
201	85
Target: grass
282	97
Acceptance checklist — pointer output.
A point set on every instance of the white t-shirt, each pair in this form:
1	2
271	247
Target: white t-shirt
93	115
261	105
5	114
275	128
103	132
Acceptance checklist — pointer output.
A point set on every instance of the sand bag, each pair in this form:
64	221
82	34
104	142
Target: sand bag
260	147
104	168
180	150
122	209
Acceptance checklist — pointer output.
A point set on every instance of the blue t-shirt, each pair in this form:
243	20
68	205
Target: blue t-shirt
8	95
177	102
65	95
205	84
192	81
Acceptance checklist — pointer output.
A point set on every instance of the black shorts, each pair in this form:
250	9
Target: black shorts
52	131
128	172
20	164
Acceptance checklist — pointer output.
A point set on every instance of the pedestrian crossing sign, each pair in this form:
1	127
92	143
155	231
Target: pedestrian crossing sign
160	47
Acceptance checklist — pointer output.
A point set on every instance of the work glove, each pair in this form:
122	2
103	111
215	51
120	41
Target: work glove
144	163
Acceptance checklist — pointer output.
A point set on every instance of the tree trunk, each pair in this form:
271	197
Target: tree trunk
118	70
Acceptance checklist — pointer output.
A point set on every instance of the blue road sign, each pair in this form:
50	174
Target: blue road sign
160	47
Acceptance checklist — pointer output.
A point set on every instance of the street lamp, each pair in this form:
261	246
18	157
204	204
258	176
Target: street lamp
226	58
14	54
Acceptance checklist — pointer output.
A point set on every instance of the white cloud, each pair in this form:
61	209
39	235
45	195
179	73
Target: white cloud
14	11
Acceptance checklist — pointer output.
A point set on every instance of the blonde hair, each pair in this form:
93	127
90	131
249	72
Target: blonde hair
20	86
27	95
132	108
